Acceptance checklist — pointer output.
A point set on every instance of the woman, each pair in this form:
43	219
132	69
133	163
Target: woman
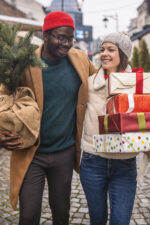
107	173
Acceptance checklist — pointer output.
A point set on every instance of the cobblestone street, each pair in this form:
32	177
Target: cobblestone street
79	211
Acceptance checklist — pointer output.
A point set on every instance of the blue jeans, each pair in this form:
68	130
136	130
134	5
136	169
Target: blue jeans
101	177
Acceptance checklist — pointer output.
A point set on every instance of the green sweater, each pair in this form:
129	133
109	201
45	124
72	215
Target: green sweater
60	86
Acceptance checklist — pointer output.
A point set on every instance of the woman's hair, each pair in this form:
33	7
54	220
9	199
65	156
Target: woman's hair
123	61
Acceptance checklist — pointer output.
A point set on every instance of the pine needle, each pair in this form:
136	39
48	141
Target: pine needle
16	54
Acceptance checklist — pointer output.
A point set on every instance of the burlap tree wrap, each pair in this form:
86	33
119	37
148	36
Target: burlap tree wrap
20	114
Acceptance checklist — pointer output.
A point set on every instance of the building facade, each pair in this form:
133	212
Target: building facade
31	8
139	28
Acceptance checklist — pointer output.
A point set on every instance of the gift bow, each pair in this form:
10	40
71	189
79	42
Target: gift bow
134	70
139	79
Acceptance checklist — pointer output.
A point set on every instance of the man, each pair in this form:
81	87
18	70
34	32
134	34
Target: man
57	91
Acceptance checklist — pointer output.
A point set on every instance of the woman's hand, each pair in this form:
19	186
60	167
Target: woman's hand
147	153
10	141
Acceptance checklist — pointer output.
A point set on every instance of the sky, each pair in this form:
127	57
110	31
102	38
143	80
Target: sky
117	11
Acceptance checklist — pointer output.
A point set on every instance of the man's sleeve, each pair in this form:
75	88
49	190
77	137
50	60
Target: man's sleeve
92	69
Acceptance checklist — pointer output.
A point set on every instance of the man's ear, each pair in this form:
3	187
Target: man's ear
45	36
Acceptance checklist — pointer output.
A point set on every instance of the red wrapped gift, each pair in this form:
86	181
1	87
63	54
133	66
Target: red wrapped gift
124	103
124	122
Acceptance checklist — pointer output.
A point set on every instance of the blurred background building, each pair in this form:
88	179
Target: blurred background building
31	14
83	34
139	28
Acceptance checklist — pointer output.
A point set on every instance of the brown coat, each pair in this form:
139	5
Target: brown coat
20	160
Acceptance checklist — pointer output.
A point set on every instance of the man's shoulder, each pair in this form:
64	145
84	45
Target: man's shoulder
38	50
74	51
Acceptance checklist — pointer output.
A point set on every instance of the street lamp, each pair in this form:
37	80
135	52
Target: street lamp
80	4
62	5
115	17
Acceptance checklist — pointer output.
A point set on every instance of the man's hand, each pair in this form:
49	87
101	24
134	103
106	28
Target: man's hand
10	141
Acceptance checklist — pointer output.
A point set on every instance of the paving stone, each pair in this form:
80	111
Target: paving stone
83	210
42	220
146	215
138	216
146	204
140	222
78	215
132	223
75	200
48	223
79	210
148	221
73	209
85	222
76	221
143	210
83	201
76	205
86	216
47	215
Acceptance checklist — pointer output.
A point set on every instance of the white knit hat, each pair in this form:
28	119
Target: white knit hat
121	40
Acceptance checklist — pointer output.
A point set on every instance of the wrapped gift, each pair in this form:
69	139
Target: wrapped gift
122	143
124	103
124	122
128	83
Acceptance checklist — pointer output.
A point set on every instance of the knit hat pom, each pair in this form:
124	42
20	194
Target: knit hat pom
57	19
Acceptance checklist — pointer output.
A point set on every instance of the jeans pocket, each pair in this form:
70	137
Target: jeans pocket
129	161
86	160
87	156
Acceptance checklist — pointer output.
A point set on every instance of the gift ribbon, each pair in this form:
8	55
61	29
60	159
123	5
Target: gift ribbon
139	83
106	123
139	80
141	121
131	103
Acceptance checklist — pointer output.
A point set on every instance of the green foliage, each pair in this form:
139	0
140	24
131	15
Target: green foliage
135	58
16	54
141	57
144	57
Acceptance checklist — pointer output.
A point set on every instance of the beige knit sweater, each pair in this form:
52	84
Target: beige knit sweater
95	107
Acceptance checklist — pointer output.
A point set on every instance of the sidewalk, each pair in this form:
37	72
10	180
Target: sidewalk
79	210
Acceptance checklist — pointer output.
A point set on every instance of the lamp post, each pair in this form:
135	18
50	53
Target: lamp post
62	5
115	17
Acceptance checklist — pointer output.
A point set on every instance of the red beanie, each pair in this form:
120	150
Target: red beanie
57	19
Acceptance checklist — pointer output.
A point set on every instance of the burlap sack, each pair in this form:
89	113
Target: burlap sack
20	114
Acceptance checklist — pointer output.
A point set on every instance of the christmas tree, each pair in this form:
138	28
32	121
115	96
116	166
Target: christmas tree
144	57
135	58
16	54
